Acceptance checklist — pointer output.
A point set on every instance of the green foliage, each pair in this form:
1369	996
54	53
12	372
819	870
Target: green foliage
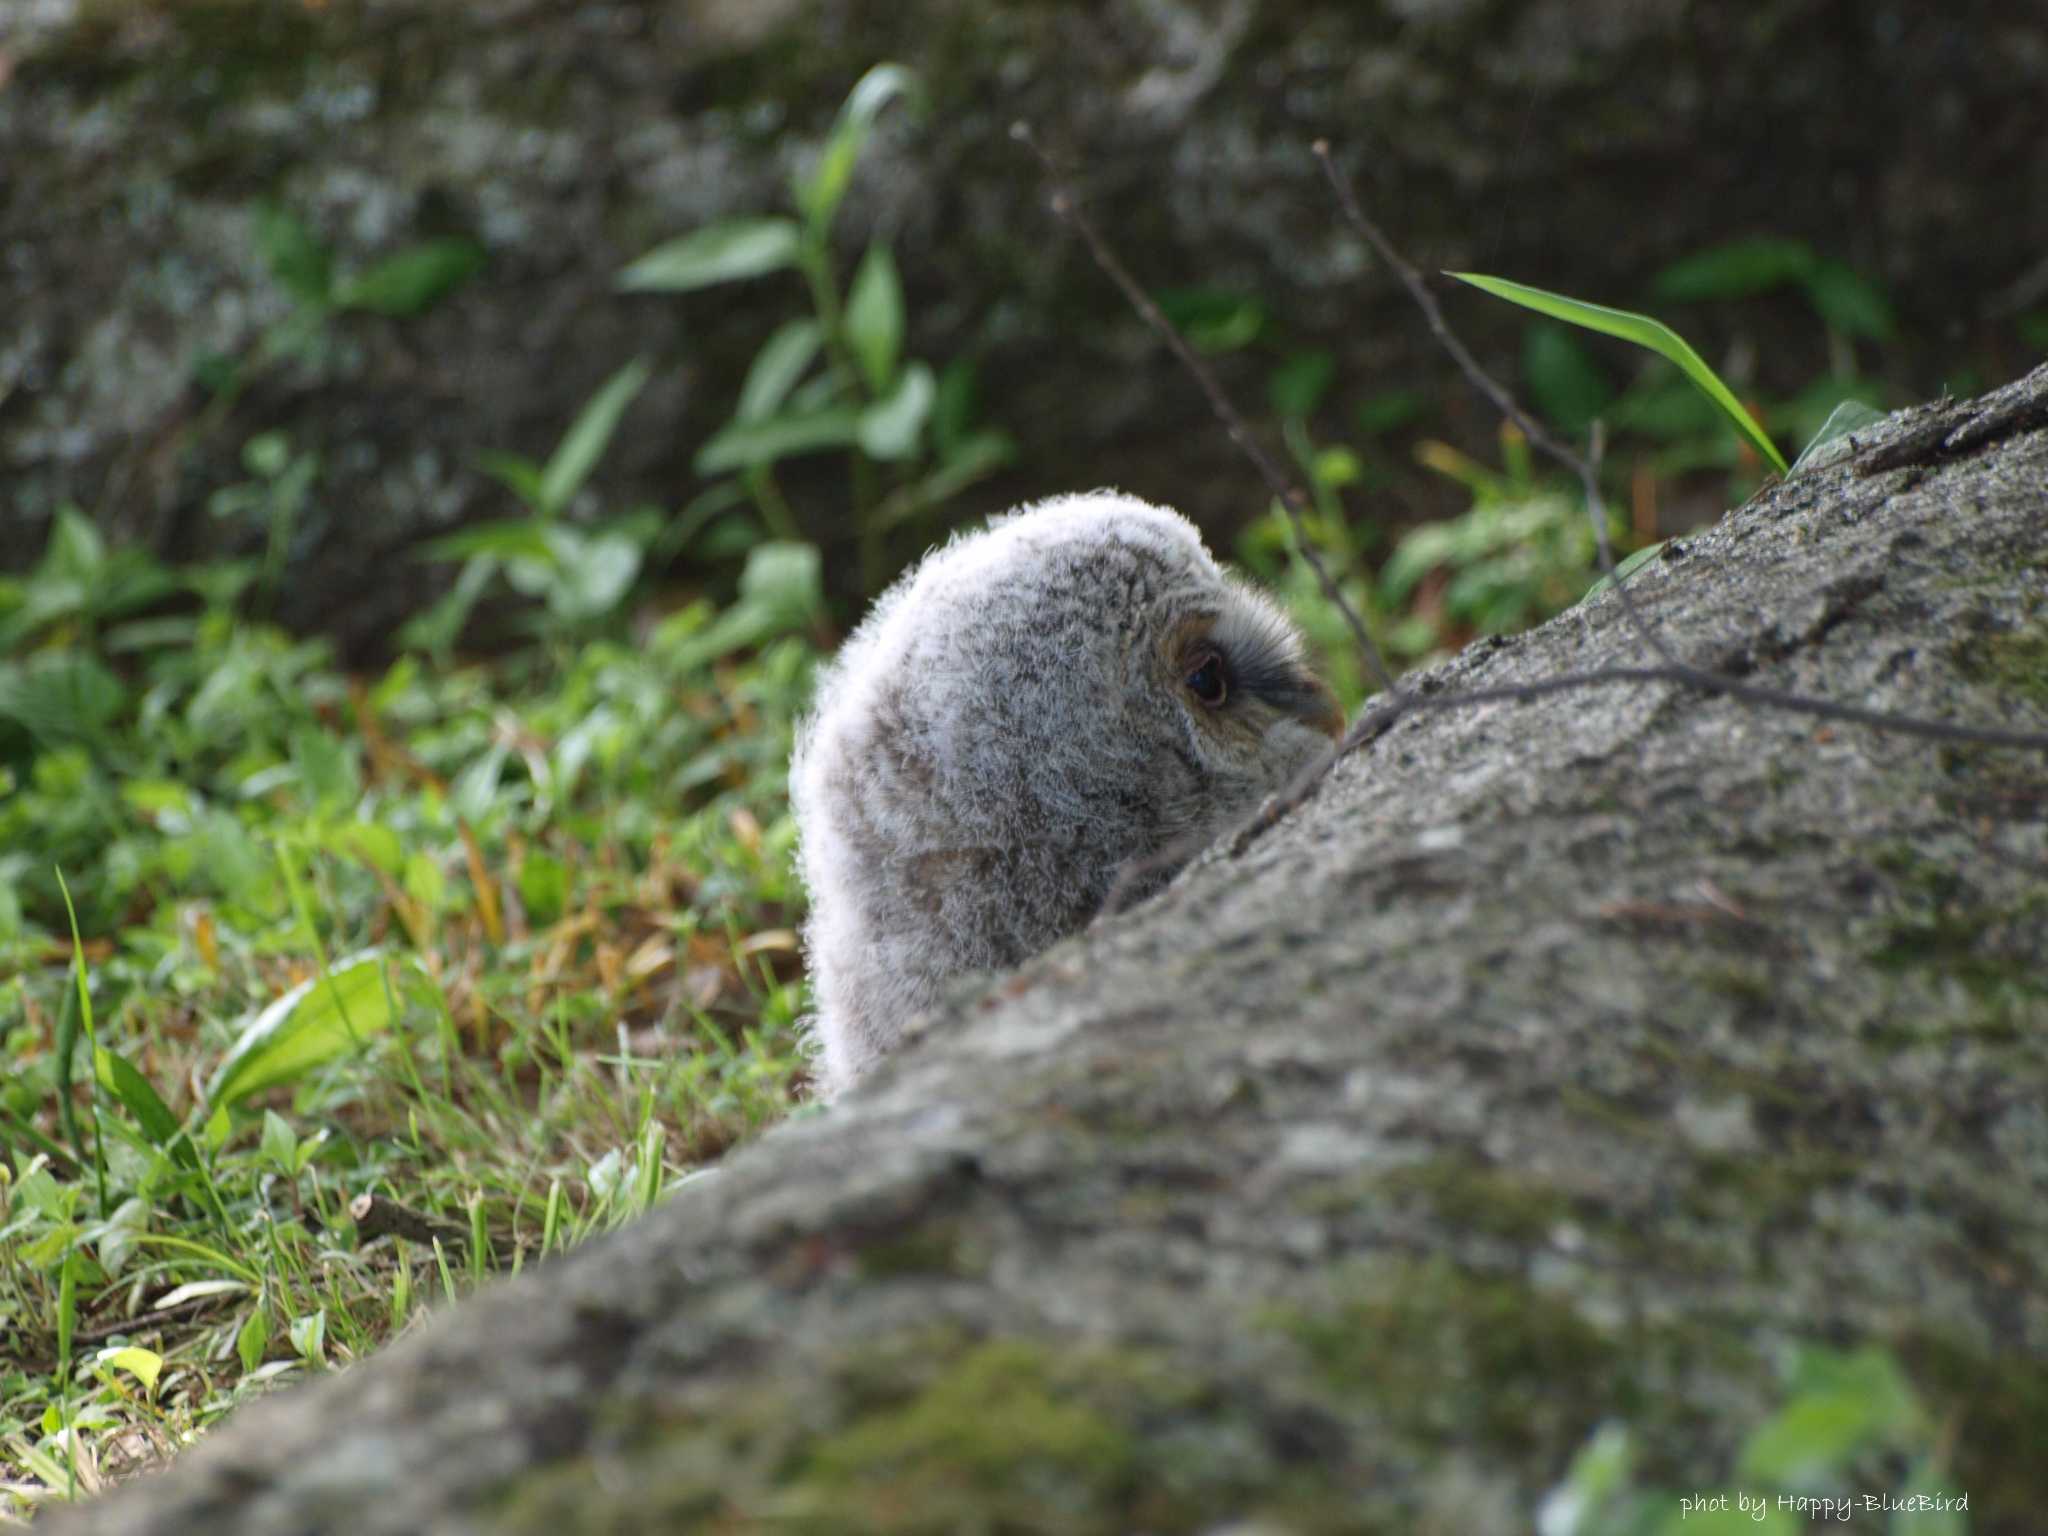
1844	299
580	575
409	282
273	497
1850	1423
510	945
1523	551
838	380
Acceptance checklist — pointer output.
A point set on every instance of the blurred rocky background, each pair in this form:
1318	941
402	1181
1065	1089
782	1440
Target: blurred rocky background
188	190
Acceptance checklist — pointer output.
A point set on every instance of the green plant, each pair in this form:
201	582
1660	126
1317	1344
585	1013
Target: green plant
580	575
408	282
1848	303
78	587
906	431
273	497
509	945
1847	1423
1522	552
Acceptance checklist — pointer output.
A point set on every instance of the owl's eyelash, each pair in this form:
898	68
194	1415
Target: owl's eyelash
1259	659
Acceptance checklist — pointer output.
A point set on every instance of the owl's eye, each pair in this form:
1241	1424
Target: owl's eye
1206	679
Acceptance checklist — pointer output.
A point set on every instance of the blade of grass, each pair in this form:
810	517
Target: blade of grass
67	1043
1644	332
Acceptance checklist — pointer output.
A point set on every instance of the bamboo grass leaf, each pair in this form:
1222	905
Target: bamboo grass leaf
1644	332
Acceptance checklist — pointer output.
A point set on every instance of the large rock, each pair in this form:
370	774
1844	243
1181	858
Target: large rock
1582	145
1559	1061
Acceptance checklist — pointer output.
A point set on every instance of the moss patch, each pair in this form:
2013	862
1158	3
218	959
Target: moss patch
1444	1354
935	1431
1465	1196
2013	661
1008	1428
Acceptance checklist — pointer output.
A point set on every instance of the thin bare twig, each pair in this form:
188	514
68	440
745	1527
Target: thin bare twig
1284	490
1587	468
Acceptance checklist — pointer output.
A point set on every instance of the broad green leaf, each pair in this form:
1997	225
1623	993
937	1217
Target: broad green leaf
718	253
784	580
585	441
76	551
426	884
1735	270
300	263
1623	567
1389	411
1848	417
747	444
475	789
323	1017
1565	381
145	1365
60	695
1337	467
371	842
266	454
782	361
518	539
327	768
973	458
1213	320
440	626
414	279
1871	1375
543	886
116	1238
120	1077
279	1142
1599	1473
818	194
1644	332
252	1337
1298	385
309	1337
882	84
519	475
594	575
890	428
1850	302
781	589
1810	1439
874	317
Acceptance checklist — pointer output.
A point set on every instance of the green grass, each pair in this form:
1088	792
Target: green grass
524	932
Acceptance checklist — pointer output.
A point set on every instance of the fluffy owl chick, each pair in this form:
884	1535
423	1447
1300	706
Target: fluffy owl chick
1031	709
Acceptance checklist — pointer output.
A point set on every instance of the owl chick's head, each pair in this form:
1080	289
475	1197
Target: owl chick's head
1076	690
